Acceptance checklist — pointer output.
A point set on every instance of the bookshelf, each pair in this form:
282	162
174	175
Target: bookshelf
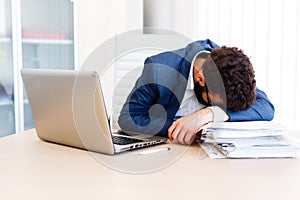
47	41
33	34
5	40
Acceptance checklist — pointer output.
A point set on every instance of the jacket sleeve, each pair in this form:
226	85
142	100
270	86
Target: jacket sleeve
261	110
151	106
141	113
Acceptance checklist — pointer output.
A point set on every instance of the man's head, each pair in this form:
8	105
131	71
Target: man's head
225	78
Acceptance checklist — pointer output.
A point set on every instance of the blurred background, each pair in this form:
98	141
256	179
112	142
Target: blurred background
61	34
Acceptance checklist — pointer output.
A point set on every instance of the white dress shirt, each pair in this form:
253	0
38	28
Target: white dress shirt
190	103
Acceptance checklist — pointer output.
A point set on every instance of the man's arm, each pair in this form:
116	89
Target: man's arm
261	110
184	129
142	111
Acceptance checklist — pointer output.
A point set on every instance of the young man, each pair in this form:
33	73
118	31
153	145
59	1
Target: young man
180	91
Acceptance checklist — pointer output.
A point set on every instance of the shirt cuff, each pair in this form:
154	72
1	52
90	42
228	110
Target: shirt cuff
218	114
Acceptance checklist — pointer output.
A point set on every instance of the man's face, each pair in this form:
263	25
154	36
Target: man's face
205	97
200	88
201	94
199	82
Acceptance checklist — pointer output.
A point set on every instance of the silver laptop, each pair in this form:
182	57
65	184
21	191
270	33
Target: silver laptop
68	108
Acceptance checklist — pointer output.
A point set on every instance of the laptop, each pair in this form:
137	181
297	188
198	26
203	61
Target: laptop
68	108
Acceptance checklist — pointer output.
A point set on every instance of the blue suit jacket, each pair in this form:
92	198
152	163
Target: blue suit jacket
152	104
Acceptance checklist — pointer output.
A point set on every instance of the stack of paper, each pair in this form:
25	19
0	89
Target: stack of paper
255	139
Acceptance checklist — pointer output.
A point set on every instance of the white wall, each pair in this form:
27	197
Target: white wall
267	30
100	20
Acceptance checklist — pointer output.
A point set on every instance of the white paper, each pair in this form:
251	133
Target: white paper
211	151
230	133
247	140
254	152
264	152
247	125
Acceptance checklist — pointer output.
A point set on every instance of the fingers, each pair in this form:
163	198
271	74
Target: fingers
175	132
170	130
179	134
189	138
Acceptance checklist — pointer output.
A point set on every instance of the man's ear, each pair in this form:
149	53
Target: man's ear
200	79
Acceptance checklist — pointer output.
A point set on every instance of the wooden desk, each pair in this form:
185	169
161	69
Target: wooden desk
33	169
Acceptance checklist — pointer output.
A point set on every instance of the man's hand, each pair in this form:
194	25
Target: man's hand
185	128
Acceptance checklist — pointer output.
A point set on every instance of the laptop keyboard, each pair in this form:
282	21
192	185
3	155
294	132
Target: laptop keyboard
124	140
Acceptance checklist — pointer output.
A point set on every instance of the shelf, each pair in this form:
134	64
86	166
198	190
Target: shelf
46	41
5	40
4	102
33	34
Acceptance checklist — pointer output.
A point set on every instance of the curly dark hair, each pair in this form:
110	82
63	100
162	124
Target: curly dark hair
237	77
